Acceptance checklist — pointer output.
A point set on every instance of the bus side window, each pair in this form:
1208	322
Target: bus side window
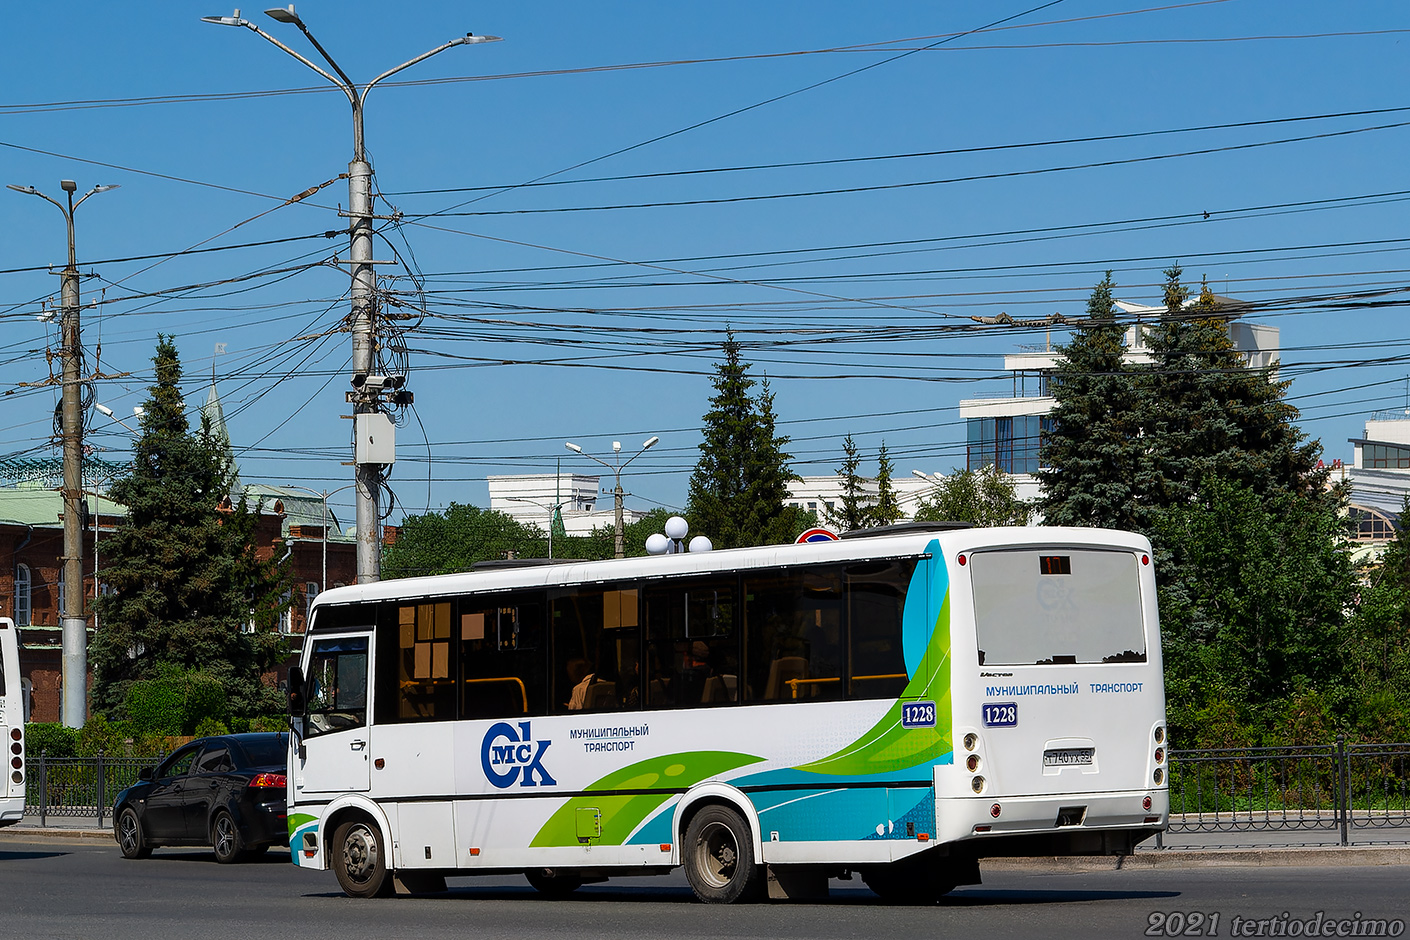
692	652
596	649
794	625
425	685
501	657
876	595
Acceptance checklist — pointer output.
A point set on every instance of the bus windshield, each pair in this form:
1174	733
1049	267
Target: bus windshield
1044	608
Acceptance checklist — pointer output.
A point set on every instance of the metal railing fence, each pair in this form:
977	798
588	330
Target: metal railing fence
1339	787
78	786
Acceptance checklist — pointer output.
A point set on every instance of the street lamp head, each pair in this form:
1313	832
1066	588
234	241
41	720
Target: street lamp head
68	186
616	447
22	189
284	16
107	188
573	447
225	20
472	38
104	410
650	443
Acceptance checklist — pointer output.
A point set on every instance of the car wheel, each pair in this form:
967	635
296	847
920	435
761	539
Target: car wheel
360	860
719	857
551	883
226	839
129	835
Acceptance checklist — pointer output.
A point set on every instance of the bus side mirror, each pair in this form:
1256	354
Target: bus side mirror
298	702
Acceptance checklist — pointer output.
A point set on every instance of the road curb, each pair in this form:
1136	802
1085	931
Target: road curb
56	832
1347	856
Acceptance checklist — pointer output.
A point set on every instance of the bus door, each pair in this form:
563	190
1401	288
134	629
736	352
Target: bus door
333	757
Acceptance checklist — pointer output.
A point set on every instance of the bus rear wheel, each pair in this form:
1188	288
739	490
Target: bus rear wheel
719	857
912	882
360	860
551	883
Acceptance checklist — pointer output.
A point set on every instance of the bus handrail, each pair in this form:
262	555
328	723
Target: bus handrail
523	693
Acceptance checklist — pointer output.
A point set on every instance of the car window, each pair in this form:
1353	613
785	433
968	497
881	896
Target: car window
178	764
215	760
265	751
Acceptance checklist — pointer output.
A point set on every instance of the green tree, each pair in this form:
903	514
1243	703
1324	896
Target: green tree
452	541
185	579
1378	647
1092	454
983	497
856	508
1209	416
1253	606
887	510
740	483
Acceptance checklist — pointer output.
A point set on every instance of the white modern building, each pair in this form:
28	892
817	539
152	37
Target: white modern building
1005	431
530	498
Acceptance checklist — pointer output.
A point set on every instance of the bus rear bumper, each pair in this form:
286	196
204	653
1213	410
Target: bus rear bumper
1053	824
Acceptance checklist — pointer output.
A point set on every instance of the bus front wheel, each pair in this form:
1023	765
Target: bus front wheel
719	857
360	860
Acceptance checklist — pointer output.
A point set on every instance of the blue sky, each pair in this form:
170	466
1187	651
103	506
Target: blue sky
940	190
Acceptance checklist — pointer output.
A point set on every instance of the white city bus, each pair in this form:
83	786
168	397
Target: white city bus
899	706
11	726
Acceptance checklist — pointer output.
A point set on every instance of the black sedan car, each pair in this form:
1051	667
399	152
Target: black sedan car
226	792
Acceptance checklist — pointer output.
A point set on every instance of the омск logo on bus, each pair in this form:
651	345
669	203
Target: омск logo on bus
518	757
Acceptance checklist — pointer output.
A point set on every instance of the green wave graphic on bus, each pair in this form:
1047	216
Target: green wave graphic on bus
615	815
888	746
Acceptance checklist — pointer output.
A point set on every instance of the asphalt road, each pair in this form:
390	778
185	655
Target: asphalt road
53	889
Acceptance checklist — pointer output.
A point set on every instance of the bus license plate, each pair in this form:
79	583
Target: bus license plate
1001	714
918	715
1068	756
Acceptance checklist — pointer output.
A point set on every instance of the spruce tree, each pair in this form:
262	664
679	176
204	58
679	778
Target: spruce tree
887	510
1209	416
185	581
856	507
1092	455
740	483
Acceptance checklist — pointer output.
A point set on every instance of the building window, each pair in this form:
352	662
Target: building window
1386	457
1009	443
310	592
22	595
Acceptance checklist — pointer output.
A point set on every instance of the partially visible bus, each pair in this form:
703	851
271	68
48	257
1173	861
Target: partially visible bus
900	706
11	726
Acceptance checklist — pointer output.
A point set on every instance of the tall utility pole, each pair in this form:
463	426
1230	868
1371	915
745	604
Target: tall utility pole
373	431
620	543
73	618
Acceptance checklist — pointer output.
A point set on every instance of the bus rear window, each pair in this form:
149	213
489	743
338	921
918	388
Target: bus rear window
1032	608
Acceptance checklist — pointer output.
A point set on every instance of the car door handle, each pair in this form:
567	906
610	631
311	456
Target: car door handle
357	745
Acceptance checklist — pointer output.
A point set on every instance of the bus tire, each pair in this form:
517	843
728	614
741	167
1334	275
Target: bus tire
910	882
360	860
552	883
719	857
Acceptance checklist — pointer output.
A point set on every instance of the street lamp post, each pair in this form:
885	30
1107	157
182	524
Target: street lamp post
323	583
72	617
366	396
551	510
620	545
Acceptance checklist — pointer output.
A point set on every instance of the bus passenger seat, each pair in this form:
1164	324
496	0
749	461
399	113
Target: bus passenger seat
780	671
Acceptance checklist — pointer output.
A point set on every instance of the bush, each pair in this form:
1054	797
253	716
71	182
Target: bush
175	703
270	723
51	739
210	726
